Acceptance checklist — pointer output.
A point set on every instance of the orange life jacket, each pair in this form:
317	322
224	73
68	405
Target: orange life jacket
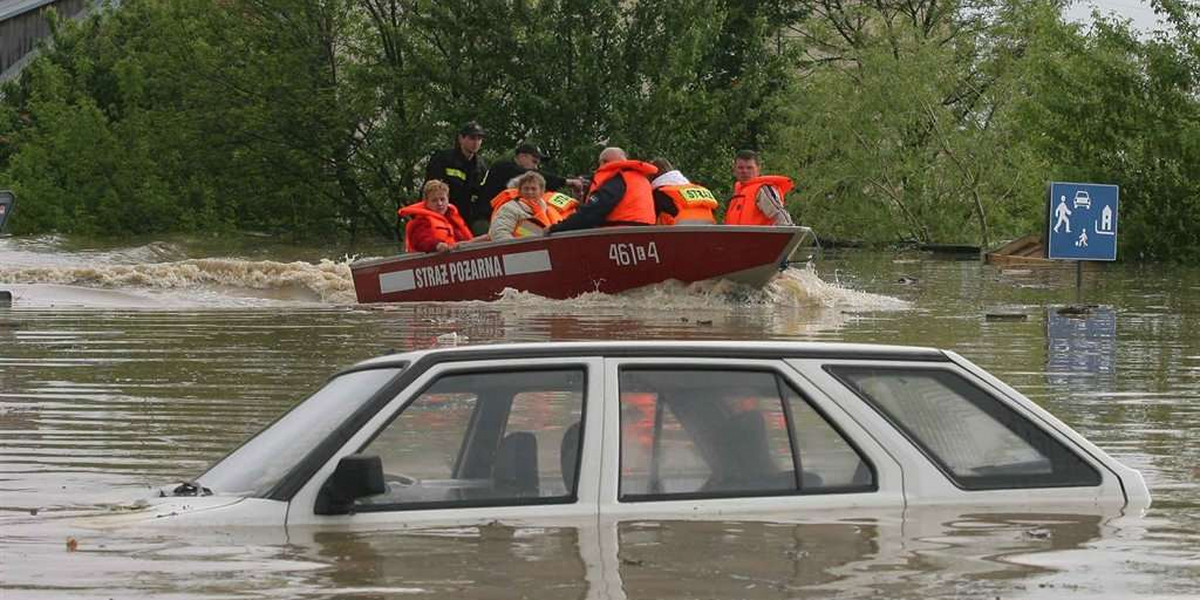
448	228
743	207
503	197
637	205
542	217
564	204
695	203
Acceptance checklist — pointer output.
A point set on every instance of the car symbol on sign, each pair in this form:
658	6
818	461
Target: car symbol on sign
1083	199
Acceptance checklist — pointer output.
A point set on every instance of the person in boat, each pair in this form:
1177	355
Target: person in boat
757	199
523	210
463	169
620	195
527	158
434	223
678	200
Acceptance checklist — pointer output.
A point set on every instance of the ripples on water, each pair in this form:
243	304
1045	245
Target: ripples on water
123	369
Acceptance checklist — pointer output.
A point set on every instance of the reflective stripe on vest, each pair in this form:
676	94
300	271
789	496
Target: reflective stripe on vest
695	203
566	205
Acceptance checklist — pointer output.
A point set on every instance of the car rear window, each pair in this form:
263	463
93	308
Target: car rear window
978	441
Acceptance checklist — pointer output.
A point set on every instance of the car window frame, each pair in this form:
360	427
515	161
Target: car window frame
585	497
784	374
570	498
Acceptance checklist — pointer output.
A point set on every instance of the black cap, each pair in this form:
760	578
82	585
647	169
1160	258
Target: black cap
472	128
528	148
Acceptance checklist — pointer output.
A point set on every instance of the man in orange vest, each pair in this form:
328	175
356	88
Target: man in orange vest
620	195
757	199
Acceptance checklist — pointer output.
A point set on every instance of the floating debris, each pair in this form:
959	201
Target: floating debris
451	339
1006	316
1076	310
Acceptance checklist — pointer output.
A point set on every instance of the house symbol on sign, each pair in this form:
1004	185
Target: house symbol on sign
1105	225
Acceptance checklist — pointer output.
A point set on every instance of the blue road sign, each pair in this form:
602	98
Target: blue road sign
1082	221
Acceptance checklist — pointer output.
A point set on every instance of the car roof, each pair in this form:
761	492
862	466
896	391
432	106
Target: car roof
652	349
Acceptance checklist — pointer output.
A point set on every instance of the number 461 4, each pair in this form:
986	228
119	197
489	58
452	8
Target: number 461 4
630	254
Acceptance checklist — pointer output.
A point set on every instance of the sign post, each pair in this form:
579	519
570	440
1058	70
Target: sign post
1081	224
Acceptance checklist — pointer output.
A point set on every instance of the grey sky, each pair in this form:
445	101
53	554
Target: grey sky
1138	11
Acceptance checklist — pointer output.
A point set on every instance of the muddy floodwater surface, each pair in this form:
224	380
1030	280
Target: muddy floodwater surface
125	369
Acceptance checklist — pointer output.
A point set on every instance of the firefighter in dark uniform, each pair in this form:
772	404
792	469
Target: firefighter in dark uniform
463	169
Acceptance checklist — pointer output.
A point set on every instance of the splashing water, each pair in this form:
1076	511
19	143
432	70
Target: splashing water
327	281
801	287
797	288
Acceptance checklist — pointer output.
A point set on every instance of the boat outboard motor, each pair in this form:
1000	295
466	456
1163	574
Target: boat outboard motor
7	202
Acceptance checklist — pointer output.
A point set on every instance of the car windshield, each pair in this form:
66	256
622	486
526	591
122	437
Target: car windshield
258	465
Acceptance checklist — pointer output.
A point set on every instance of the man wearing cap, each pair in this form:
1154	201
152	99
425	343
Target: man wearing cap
463	169
527	157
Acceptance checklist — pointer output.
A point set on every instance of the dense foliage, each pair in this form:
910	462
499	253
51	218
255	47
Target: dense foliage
931	120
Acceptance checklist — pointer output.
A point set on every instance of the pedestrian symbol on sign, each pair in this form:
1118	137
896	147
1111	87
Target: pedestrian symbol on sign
1061	213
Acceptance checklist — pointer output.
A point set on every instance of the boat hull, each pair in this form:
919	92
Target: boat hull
608	260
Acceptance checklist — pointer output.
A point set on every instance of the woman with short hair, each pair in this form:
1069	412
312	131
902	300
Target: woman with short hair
521	210
434	224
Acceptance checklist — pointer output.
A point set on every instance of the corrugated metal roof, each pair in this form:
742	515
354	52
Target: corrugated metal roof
12	8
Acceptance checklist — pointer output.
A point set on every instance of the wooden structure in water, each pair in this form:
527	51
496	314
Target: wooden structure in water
23	23
1028	250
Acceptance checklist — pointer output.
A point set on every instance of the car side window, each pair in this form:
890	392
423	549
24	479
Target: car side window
975	439
829	463
696	433
481	439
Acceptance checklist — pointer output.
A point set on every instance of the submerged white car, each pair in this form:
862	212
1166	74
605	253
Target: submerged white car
527	432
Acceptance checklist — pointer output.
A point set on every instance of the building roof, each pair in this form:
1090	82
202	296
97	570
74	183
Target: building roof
12	8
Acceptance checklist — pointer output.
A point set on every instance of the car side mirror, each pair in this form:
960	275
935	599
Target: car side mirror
356	475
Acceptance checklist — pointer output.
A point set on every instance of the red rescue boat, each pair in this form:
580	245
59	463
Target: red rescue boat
565	265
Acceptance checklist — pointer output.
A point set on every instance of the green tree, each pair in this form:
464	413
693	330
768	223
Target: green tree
1112	106
897	122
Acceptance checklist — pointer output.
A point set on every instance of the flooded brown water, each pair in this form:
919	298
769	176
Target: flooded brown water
125	369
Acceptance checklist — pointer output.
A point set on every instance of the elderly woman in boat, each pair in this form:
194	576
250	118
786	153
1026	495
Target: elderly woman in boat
522	209
434	224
